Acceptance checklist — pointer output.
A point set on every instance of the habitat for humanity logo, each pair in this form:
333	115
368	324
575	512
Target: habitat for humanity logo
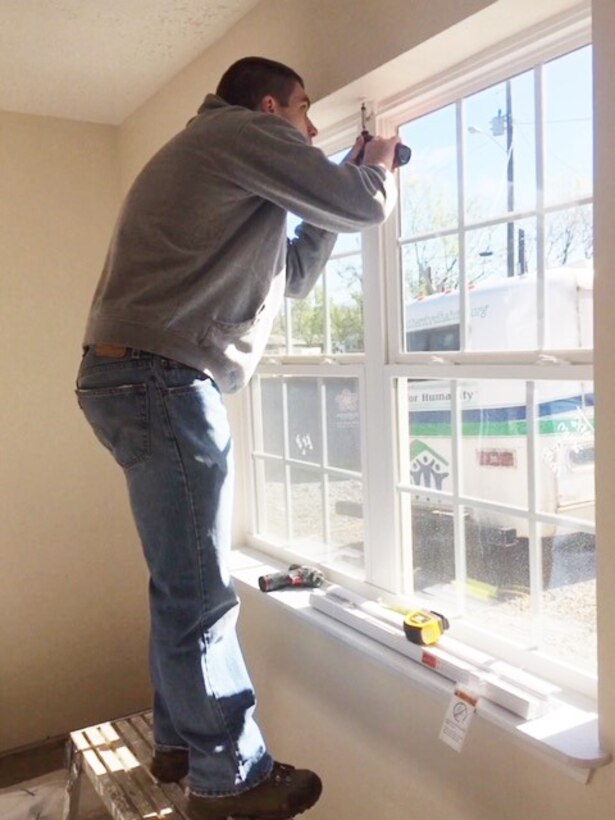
427	468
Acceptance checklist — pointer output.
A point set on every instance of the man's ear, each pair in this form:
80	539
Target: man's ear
268	104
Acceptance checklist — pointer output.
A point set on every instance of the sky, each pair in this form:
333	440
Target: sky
432	173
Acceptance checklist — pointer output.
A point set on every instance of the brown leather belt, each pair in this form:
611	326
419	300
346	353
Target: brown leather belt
107	351
111	351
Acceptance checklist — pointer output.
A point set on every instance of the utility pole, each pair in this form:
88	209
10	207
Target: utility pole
510	180
498	124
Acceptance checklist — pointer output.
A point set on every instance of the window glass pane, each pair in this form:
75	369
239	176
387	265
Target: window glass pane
430	549
569	237
503	315
431	301
343	424
494	444
306	510
345	295
493	450
569	597
497	587
433	323
562	623
276	344
304	426
430	267
271	497
347	243
566	449
272	416
568	111
502	297
346	528
308	323
428	184
503	250
500	156
428	434
497	556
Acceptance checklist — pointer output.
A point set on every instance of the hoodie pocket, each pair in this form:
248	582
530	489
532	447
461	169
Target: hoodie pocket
221	334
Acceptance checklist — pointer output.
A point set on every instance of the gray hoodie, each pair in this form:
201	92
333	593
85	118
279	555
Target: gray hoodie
199	262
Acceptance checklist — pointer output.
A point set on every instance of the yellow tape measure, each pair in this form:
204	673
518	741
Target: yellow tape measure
425	627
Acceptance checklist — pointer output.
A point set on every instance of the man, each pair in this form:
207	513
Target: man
196	272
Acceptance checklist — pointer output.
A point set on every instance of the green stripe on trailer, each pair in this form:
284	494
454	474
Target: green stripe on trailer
547	427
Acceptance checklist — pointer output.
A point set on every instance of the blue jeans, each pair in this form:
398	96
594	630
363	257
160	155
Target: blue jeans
166	426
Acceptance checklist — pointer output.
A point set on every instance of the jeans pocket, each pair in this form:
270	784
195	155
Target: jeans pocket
119	418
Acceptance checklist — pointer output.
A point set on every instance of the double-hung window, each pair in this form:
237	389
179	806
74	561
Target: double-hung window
422	424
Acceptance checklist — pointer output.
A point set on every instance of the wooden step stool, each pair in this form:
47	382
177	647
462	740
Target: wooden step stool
115	757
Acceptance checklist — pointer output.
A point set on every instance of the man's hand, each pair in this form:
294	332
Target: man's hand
381	151
373	151
355	151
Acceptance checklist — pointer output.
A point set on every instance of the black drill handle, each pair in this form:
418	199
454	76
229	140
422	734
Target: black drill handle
402	152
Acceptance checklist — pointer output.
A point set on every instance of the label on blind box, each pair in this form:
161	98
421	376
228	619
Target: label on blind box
458	717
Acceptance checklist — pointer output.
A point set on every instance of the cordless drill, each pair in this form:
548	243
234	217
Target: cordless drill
402	152
297	576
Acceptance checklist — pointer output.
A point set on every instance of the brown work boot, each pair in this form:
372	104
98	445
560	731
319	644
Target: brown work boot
286	792
169	765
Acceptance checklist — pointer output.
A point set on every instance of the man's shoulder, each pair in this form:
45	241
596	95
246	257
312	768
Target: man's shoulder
216	111
217	115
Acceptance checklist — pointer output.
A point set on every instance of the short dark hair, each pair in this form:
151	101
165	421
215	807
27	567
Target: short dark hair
250	79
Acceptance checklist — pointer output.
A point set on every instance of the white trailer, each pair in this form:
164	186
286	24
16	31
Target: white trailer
494	413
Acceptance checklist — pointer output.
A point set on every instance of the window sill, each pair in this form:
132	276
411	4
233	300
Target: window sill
566	737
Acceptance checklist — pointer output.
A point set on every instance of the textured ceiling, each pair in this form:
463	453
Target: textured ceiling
98	60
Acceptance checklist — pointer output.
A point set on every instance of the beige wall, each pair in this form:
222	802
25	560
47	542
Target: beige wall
72	589
70	623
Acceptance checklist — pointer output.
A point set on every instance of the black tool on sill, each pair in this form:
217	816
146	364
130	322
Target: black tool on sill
297	577
402	152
